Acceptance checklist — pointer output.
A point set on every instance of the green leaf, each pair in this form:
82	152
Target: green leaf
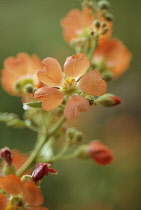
35	104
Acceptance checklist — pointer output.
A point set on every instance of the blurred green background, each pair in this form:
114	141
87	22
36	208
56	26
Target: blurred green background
32	26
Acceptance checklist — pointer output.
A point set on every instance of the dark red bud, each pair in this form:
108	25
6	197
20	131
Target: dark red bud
6	155
42	169
100	153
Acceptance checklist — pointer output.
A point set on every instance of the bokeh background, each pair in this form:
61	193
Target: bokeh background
32	26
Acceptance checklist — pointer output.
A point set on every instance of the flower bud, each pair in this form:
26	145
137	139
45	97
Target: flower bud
107	76
6	155
73	136
105	30
100	153
109	16
108	100
103	5
42	169
28	88
97	24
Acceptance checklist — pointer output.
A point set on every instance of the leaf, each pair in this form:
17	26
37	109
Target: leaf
35	104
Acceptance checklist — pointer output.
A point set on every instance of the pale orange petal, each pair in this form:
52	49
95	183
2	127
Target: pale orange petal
51	74
32	194
76	65
11	184
71	24
88	18
75	105
51	97
116	54
3	201
92	84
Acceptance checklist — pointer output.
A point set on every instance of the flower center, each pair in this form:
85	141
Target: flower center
69	85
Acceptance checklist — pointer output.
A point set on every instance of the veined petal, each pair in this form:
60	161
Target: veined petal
51	97
51	74
32	194
92	84
75	105
76	65
11	184
3	201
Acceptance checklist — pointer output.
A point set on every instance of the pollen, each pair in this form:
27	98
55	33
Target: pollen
69	85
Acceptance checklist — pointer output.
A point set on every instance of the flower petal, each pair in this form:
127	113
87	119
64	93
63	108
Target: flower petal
51	74
3	201
71	24
32	194
11	184
51	97
114	51
92	84
76	65
75	105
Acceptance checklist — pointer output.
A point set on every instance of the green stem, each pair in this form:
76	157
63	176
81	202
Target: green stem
59	155
41	141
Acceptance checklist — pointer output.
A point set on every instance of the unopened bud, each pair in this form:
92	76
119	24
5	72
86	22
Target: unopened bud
97	24
28	88
42	169
109	16
103	24
78	137
70	133
108	100
103	5
105	30
107	76
100	153
6	155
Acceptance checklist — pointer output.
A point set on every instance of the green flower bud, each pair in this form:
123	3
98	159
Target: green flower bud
97	24
28	88
107	76
78	137
103	5
109	16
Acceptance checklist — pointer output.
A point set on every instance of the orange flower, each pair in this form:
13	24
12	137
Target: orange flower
20	70
100	153
59	88
115	56
77	23
22	194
